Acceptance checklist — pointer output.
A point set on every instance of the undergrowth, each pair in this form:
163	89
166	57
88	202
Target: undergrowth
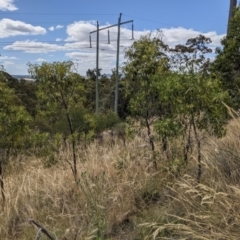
118	193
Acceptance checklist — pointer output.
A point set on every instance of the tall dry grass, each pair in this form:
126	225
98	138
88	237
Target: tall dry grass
119	195
210	210
108	192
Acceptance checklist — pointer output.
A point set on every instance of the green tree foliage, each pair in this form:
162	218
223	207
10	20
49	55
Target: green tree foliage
25	91
196	98
173	89
14	127
60	91
90	88
227	62
106	88
145	58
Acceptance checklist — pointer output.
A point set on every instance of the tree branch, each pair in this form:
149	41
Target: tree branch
44	230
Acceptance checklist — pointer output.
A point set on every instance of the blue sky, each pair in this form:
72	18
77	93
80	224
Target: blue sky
58	30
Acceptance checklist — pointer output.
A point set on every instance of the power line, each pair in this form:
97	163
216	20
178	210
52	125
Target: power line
117	61
52	41
57	14
148	20
81	14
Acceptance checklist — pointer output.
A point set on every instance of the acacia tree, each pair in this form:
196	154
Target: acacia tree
60	92
173	88
14	127
196	97
145	58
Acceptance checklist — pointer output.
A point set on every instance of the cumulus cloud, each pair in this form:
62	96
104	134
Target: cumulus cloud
174	36
59	26
78	38
7	5
79	30
9	28
30	46
87	60
7	58
77	43
40	60
51	28
8	63
33	47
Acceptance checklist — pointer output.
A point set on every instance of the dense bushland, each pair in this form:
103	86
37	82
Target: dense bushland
167	167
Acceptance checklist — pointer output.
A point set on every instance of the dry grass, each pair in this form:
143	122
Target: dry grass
210	210
119	195
109	183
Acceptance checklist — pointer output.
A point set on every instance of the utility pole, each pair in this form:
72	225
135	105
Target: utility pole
117	65
117	61
233	4
97	61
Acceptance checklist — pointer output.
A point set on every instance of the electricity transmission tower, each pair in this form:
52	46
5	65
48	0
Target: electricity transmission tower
233	4
117	60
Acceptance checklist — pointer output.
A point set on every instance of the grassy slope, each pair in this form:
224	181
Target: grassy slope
120	196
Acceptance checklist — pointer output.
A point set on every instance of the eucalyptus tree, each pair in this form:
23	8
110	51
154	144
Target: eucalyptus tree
196	97
173	89
60	91
14	127
144	59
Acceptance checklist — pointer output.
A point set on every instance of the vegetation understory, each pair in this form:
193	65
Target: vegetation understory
118	193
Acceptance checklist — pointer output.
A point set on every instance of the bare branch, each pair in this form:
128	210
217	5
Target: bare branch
44	230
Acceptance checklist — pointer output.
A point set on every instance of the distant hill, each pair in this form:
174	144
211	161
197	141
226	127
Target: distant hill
26	77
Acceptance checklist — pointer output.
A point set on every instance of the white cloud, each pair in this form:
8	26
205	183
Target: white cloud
78	35
10	28
30	46
33	47
41	60
51	28
87	60
174	36
8	63
7	5
79	30
7	58
77	43
59	26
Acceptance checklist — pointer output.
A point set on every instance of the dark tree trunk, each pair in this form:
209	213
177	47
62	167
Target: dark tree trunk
2	183
74	167
199	173
187	145
149	135
151	141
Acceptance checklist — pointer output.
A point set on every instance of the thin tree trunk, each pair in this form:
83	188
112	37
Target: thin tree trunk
199	173
2	183
187	145
73	147
151	141
164	143
74	168
149	135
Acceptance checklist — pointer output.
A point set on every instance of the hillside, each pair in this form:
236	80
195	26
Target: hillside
119	195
